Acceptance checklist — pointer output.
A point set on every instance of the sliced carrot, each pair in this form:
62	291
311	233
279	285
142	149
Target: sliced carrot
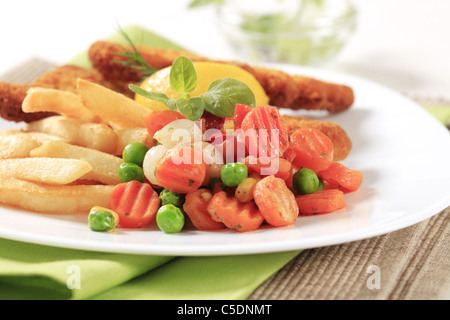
136	204
263	127
242	217
232	149
276	202
330	186
279	167
290	154
181	170
195	207
290	180
313	149
338	174
320	202
239	114
157	120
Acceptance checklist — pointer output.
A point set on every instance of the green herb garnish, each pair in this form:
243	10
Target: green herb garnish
191	108
183	77
135	60
159	96
220	99
223	94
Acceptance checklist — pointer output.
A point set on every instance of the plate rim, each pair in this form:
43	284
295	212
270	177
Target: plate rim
260	248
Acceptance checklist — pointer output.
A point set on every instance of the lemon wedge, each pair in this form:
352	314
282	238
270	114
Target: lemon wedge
207	72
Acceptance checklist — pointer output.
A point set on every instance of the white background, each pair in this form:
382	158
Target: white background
403	44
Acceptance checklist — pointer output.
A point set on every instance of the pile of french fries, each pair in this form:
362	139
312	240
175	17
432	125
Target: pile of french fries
67	164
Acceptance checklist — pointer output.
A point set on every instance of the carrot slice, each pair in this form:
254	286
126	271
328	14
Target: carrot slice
181	170
239	114
279	167
232	149
195	207
276	202
157	120
320	202
290	154
136	204
242	217
264	127
313	149
338	174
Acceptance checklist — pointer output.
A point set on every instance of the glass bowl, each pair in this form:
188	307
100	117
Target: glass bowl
305	32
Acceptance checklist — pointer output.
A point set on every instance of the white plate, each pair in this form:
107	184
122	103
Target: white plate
403	152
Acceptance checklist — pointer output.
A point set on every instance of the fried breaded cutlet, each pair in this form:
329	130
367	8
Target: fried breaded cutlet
341	141
11	97
299	92
61	78
103	57
65	78
284	90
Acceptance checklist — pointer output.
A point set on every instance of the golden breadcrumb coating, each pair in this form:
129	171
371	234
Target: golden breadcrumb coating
341	141
60	78
284	90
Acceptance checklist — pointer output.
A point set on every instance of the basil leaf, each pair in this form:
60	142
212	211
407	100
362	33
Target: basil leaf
223	95
158	96
192	108
183	77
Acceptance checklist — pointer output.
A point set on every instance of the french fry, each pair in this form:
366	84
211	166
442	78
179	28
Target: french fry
42	138
62	102
59	126
45	170
131	135
37	197
91	135
16	145
98	137
112	107
8	132
104	166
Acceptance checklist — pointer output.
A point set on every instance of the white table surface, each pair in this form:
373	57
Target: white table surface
403	44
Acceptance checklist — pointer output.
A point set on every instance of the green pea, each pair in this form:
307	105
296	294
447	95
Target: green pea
102	220
135	153
305	181
233	173
169	197
130	171
170	219
320	187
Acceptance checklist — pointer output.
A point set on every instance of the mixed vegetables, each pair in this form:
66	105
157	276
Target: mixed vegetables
222	162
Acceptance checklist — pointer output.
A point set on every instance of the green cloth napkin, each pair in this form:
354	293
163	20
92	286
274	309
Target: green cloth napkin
442	113
30	271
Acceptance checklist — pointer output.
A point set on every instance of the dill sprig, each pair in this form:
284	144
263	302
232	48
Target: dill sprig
135	60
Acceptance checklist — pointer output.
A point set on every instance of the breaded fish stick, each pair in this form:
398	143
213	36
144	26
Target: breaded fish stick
341	141
284	90
61	78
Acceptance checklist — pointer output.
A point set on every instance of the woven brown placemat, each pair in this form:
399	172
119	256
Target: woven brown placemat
409	264
412	264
